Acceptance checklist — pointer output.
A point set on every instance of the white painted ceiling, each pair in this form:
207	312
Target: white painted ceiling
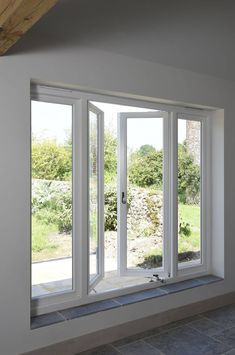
197	35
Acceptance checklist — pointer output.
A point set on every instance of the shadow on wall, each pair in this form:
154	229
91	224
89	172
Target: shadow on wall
74	23
113	25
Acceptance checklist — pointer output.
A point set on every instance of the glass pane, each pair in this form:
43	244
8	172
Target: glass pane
112	279
93	194
189	186
144	192
51	168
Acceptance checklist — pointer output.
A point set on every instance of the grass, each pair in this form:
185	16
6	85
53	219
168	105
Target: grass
40	233
190	214
47	243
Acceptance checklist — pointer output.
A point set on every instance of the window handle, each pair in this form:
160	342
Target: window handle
123	198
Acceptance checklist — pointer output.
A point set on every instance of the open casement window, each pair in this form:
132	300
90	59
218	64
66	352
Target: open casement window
96	195
135	130
105	226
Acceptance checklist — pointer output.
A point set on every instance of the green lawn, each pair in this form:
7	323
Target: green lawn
42	247
48	243
190	214
40	233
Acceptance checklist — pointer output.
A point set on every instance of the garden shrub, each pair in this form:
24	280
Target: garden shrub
152	260
146	149
52	203
110	207
51	161
146	169
110	156
188	177
184	229
41	195
62	206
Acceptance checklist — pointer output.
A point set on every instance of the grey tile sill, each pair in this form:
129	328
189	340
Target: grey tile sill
100	306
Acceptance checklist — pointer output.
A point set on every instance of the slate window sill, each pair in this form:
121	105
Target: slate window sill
100	306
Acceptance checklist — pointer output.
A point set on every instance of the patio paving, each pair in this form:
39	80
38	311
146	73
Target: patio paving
56	276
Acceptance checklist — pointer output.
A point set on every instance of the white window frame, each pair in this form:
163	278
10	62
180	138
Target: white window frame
122	187
189	268
80	101
100	202
45	302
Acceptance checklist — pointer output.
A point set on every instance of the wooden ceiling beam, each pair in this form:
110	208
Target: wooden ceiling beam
17	17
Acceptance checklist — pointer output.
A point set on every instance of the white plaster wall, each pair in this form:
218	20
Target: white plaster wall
103	71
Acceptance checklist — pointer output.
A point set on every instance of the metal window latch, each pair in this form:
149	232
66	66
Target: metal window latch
159	279
156	278
123	198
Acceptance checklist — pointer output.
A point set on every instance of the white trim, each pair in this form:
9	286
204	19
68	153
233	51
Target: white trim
100	203
76	204
84	193
174	195
202	265
149	103
46	301
122	188
166	263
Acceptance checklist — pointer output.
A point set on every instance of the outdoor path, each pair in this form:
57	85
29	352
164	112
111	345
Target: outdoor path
61	269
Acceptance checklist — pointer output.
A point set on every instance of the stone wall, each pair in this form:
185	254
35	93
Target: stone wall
145	213
193	139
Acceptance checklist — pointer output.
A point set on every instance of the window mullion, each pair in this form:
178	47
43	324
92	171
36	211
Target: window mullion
101	254
83	201
166	197
174	194
76	195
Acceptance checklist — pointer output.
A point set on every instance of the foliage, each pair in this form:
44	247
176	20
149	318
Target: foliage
39	236
41	194
110	207
51	161
146	170
188	177
110	156
62	207
152	259
146	149
184	229
188	242
52	204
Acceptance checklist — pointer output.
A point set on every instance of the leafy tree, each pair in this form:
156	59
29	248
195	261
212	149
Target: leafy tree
110	156
146	170
146	149
188	177
51	161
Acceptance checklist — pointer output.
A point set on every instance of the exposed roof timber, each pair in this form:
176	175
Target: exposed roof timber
17	17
